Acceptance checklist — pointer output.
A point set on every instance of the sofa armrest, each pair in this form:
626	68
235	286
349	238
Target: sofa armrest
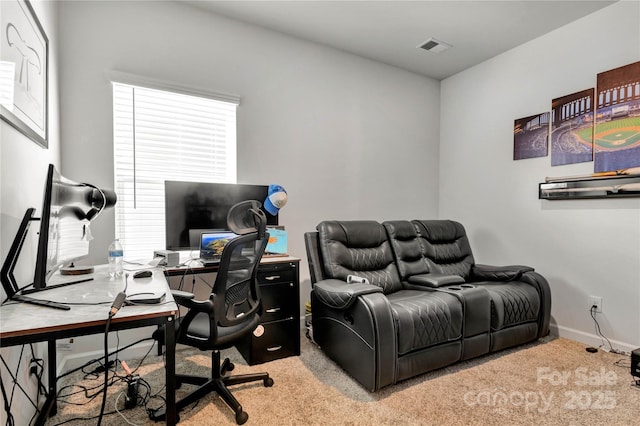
499	273
340	295
435	280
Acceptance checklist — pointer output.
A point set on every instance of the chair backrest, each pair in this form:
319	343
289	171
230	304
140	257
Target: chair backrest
236	295
358	247
445	246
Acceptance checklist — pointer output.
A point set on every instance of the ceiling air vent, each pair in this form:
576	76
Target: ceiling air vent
435	46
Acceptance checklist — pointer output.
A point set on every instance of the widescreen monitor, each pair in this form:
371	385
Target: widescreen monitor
65	233
192	208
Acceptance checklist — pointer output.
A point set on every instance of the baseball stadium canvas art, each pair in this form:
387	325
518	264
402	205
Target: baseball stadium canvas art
531	136
617	123
572	128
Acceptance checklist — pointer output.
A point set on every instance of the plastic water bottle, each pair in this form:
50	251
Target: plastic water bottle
115	259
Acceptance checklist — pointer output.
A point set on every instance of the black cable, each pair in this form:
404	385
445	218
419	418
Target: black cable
15	380
7	407
593	315
93	361
106	370
117	304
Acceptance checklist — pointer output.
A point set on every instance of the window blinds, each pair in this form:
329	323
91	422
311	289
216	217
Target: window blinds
161	135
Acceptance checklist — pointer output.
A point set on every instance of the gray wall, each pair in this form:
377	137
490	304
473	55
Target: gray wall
347	137
584	247
23	167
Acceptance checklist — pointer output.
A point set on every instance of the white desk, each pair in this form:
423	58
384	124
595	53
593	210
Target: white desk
90	303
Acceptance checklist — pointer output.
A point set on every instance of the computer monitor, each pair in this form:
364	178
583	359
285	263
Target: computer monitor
68	207
65	223
195	207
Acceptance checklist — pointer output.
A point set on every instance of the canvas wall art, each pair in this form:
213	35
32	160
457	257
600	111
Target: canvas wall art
24	57
531	136
572	128
617	125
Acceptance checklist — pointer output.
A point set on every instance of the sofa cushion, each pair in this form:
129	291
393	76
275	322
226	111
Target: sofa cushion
361	248
425	318
406	247
512	303
445	246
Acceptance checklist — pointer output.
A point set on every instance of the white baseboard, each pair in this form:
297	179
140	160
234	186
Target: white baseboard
590	339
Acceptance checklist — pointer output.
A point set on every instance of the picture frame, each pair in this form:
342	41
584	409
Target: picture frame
617	124
572	118
24	70
531	136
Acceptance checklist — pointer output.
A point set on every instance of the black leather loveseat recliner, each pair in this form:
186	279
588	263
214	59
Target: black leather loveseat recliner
426	304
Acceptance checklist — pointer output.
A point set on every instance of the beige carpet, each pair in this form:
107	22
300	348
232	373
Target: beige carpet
551	382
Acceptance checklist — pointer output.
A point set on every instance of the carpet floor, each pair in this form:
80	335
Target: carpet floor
550	382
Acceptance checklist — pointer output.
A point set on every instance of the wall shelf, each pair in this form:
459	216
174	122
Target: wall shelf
621	186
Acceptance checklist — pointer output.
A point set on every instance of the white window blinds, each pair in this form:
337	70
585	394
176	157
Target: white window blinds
161	135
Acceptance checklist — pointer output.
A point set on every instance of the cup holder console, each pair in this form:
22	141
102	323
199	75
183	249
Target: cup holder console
461	287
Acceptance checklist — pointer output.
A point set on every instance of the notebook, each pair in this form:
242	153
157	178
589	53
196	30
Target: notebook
212	244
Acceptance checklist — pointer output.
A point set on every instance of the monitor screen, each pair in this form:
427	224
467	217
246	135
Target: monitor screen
192	208
65	235
212	244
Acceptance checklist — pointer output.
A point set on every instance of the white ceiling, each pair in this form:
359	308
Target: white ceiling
390	31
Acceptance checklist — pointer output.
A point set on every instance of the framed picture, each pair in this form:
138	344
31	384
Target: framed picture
572	128
531	136
24	64
617	129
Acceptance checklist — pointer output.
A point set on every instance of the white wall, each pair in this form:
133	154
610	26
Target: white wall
23	167
583	247
347	137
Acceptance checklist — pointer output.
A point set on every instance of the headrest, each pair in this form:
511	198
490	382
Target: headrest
276	199
246	217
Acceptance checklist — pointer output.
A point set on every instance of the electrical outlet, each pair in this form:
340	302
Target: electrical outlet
597	302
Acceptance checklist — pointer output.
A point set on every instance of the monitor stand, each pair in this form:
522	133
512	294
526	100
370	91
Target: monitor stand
7	278
76	270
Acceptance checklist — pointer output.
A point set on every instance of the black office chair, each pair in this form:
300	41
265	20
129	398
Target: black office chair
231	312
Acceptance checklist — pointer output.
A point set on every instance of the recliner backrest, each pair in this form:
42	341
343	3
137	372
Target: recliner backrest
445	246
407	249
361	248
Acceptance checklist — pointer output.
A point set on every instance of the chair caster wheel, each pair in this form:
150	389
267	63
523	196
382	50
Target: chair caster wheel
231	366
268	382
241	417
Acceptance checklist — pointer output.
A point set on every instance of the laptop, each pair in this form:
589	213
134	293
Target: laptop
212	244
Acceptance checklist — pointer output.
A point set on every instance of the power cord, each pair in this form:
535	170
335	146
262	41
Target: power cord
115	307
593	312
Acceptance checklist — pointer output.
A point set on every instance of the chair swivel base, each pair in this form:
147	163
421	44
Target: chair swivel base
217	383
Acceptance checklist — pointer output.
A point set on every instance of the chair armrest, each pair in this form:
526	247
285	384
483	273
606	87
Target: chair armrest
180	295
186	299
435	280
340	295
499	273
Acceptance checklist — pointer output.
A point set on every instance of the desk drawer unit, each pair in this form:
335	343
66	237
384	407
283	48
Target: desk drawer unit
278	334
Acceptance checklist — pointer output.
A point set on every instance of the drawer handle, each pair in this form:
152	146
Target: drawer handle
274	348
272	277
272	310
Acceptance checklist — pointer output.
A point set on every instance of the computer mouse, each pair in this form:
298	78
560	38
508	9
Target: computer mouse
143	274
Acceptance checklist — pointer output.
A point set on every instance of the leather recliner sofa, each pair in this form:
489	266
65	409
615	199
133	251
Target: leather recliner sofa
426	304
